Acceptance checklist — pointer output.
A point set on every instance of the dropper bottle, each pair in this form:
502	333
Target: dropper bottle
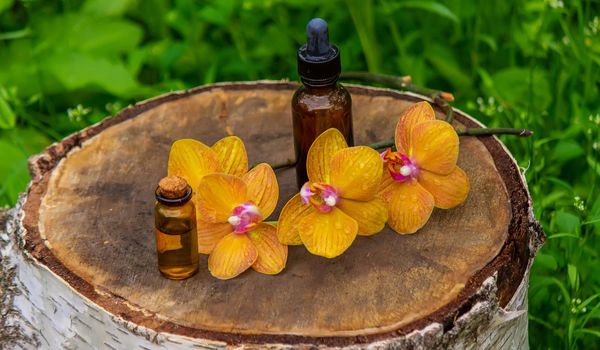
321	102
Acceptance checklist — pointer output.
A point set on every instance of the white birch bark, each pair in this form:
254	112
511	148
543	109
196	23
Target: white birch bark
49	314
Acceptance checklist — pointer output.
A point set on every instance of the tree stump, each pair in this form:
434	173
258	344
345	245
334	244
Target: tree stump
81	248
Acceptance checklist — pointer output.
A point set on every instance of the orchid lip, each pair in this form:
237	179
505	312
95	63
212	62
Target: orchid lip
245	217
400	166
306	193
321	196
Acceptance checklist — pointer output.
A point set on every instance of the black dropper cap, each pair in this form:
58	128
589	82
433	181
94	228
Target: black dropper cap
318	60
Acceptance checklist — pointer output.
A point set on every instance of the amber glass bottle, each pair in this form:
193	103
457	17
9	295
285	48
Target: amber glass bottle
321	102
175	229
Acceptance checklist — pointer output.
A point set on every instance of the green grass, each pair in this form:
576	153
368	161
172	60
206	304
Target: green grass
534	64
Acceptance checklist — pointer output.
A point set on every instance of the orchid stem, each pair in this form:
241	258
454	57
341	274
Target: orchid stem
440	98
493	131
468	132
382	144
287	164
461	132
401	83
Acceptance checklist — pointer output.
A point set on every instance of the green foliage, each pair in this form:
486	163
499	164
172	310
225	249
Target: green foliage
534	64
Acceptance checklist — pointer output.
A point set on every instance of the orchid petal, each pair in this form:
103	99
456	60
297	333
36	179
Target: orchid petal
413	115
448	190
272	255
191	160
327	235
435	146
318	163
263	189
370	216
218	195
356	172
410	207
289	220
210	234
232	155
233	255
387	186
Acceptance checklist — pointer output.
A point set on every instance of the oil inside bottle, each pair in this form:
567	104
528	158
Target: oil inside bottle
176	256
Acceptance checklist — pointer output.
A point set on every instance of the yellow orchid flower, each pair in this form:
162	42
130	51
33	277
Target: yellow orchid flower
233	209
192	160
339	201
422	173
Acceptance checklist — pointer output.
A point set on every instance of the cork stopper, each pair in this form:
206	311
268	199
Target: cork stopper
172	187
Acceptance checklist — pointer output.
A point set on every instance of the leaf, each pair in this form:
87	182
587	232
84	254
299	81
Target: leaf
446	64
522	87
415	65
594	217
77	70
592	221
136	59
588	331
13	172
16	145
8	118
560	183
563	235
84	33
489	41
547	261
544	281
593	163
429	6
587	301
567	150
16	34
106	7
573	277
219	13
19	67
4	4
566	222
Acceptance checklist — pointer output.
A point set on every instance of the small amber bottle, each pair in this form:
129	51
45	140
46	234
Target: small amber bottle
175	228
321	102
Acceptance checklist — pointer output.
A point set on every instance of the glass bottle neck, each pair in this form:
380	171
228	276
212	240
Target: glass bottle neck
320	88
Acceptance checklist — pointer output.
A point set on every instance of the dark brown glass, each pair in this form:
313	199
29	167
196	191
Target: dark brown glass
314	110
176	237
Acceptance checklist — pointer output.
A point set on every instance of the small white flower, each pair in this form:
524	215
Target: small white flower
555	4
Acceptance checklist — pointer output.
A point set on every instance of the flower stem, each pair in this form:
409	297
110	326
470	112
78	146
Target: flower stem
468	132
382	144
282	165
400	83
440	98
493	131
461	132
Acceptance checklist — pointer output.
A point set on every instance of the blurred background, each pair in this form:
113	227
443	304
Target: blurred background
514	63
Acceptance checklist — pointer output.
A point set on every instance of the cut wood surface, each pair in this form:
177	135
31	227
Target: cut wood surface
88	218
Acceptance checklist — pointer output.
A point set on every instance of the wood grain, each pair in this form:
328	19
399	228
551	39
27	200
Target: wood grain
96	218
